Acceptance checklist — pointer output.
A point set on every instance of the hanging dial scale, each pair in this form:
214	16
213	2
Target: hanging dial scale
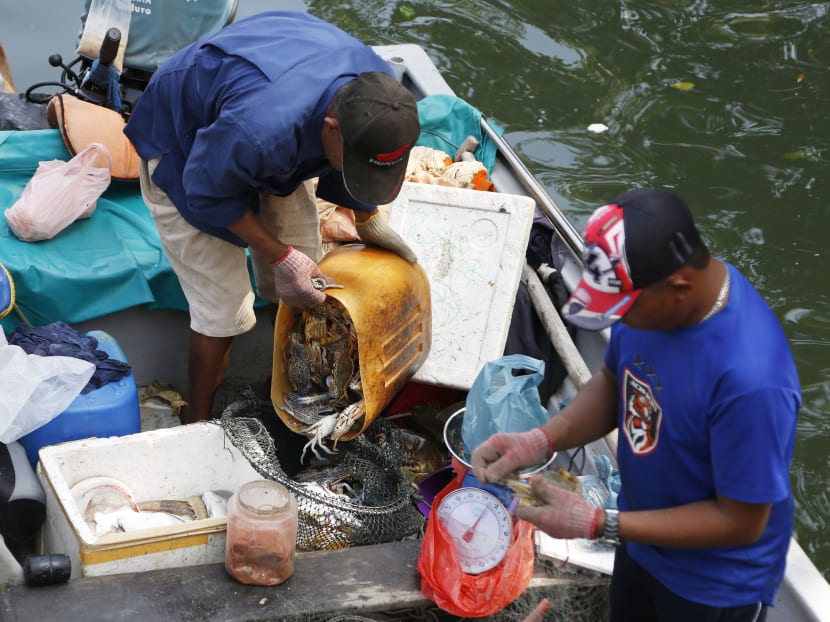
480	526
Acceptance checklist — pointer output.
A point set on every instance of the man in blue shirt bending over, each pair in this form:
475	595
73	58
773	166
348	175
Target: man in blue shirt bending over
230	131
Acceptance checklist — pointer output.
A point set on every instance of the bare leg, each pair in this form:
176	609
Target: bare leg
208	360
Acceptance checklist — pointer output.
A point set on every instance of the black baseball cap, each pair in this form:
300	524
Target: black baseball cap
639	238
379	124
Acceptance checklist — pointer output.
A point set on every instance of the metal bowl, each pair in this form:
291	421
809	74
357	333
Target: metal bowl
455	444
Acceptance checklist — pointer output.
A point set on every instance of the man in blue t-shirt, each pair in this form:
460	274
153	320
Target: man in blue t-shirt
231	131
700	383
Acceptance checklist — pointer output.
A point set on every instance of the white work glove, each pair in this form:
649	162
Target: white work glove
292	280
375	231
503	454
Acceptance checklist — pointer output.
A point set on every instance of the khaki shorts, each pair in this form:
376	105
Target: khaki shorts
214	273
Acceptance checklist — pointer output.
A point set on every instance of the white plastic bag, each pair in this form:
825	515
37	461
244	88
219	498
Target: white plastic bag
36	389
101	16
59	193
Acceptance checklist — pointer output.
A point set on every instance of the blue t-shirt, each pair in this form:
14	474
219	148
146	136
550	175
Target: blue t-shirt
240	112
710	409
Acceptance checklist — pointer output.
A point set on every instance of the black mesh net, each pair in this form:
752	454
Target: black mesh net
360	497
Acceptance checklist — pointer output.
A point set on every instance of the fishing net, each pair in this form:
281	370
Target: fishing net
574	597
381	507
360	497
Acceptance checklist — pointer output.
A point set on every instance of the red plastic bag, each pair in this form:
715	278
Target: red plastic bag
472	595
59	193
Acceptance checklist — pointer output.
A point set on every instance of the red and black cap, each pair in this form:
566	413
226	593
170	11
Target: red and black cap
639	238
379	125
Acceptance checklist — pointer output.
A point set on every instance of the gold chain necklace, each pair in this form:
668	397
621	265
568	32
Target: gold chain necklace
721	299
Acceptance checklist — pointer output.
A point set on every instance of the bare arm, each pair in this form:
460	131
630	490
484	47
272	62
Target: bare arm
590	415
251	230
716	522
710	523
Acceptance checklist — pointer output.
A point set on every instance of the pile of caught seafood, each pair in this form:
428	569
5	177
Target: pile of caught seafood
557	476
322	362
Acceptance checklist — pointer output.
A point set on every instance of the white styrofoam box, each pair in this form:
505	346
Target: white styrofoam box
170	463
472	246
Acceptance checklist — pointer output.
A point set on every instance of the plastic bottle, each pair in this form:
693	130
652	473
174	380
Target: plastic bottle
262	533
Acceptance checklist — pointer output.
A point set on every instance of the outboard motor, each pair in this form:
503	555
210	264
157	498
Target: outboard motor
98	83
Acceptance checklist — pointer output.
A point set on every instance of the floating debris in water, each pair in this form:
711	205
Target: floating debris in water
597	128
754	235
682	86
807	153
406	11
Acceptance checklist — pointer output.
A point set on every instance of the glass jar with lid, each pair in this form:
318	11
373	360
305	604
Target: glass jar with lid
262	533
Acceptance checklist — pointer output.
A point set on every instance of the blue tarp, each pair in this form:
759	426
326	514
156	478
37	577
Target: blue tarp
114	260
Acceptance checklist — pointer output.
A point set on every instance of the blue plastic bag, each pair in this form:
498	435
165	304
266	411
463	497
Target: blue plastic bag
500	401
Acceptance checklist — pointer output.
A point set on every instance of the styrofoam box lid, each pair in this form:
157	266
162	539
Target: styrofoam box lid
168	463
472	246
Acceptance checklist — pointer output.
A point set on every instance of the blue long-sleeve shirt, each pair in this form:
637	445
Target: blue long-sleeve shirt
241	112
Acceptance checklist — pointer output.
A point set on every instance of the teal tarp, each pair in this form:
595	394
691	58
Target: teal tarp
114	260
446	121
106	263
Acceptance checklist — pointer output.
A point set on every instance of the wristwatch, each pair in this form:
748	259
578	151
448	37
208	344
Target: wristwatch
611	532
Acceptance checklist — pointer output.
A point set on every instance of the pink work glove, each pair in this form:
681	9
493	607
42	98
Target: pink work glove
564	514
292	280
505	454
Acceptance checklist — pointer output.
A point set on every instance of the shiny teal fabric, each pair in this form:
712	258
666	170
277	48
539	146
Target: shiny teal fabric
446	121
114	260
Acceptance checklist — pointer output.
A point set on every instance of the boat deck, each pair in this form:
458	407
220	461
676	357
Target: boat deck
350	581
377	582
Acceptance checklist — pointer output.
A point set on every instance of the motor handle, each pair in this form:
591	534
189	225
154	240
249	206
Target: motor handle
95	87
56	60
109	47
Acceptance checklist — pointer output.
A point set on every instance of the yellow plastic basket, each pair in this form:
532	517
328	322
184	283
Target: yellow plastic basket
388	301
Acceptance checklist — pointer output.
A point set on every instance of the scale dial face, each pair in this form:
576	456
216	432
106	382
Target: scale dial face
480	526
